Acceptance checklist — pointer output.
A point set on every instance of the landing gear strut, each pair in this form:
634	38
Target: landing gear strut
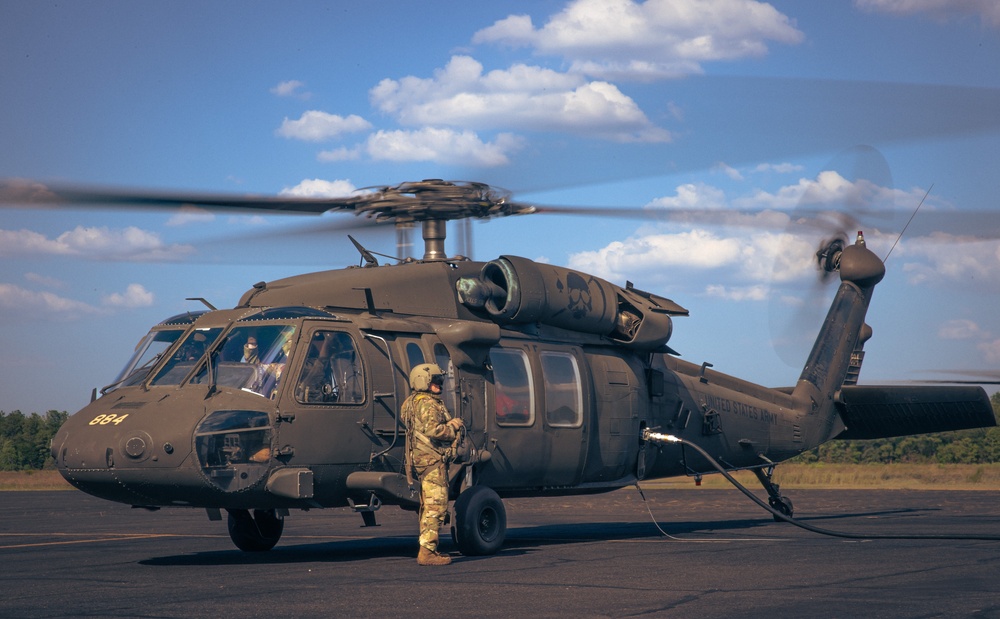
774	497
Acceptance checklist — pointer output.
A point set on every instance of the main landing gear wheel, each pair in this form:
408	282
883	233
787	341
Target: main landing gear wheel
255	533
480	522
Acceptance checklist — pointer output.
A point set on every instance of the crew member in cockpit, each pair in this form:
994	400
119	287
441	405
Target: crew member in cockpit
250	352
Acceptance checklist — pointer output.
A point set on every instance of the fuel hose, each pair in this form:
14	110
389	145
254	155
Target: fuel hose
657	437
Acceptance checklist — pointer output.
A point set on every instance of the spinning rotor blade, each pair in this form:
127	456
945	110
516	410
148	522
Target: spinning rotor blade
26	193
434	202
985	377
407	202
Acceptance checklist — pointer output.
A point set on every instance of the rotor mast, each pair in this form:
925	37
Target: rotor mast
434	233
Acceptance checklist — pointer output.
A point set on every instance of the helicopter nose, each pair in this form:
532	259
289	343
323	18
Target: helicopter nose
120	455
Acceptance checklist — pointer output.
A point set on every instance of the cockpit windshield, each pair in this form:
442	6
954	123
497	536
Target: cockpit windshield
187	355
250	356
147	354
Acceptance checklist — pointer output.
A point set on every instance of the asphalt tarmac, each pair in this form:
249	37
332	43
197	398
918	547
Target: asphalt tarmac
65	554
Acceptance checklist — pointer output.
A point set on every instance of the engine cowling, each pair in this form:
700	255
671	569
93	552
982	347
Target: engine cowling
515	290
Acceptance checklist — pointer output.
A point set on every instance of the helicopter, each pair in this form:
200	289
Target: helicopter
566	382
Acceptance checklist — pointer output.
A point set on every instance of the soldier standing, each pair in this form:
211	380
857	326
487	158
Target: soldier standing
430	432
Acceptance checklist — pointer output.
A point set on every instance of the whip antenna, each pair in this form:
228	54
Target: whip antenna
901	232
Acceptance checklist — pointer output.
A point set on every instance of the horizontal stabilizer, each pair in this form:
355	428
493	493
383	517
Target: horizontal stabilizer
871	411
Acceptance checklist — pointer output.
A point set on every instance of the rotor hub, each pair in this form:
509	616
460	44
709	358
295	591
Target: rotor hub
439	200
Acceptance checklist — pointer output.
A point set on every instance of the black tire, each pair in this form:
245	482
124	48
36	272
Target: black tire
256	533
783	505
480	522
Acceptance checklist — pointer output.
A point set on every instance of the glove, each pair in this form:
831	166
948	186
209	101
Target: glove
455	424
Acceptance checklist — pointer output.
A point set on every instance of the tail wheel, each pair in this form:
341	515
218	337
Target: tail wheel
783	505
257	532
480	521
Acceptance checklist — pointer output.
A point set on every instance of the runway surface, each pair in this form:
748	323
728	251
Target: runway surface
65	554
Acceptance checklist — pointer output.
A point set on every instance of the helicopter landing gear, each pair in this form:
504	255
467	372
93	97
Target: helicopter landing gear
774	497
257	532
480	522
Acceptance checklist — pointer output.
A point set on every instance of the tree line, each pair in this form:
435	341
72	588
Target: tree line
25	439
979	446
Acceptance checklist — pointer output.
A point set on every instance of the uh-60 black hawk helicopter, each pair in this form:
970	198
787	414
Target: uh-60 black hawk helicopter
565	382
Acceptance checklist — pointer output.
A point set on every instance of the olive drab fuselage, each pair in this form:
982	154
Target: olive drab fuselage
556	375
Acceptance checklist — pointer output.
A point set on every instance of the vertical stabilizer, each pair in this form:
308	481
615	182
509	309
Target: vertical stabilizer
829	362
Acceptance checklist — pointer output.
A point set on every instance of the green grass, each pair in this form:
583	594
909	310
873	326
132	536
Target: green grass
858	476
845	476
33	480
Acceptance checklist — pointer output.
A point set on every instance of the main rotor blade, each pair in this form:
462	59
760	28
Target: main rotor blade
21	192
396	205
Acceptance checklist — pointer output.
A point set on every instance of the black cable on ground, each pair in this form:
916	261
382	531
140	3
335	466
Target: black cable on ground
808	527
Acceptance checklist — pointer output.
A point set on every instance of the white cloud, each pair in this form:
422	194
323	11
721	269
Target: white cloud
441	146
943	257
780	168
20	301
750	258
23	302
44	280
319	188
97	243
693	195
340	154
991	351
728	170
749	245
135	295
739	293
190	215
522	98
986	10
620	39
961	329
828	188
291	88
317	126
964	329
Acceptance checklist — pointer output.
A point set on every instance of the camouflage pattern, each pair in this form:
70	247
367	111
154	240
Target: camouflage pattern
425	413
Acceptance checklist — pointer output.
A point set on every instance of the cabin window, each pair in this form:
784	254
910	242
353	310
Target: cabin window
563	393
513	389
443	361
332	372
414	355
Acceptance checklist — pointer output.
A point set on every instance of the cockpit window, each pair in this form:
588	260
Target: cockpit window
332	372
147	354
186	356
251	358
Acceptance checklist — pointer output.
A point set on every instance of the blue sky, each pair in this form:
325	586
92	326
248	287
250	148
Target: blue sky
716	104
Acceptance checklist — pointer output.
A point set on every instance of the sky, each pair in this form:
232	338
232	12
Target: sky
864	107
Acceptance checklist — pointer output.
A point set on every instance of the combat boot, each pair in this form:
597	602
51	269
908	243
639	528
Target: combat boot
429	557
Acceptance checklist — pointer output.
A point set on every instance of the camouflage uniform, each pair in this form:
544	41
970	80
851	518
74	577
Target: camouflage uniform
426	415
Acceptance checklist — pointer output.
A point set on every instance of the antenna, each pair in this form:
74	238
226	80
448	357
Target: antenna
901	232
